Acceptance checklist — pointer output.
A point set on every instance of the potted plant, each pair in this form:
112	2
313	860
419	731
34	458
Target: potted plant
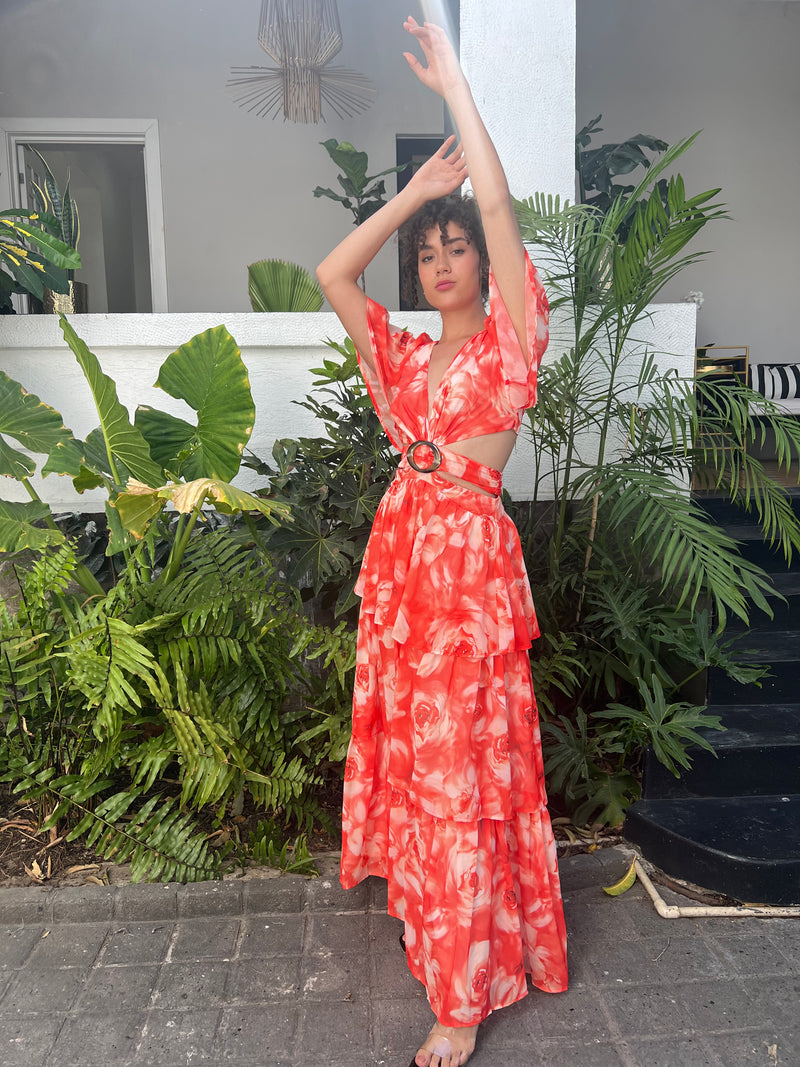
32	257
61	207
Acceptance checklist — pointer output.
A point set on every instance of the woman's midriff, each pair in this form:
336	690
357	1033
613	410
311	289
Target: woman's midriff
491	449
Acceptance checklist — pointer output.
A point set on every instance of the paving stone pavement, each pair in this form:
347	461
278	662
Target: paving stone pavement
284	971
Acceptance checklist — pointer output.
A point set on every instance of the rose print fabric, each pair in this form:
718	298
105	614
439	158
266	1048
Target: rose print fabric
444	789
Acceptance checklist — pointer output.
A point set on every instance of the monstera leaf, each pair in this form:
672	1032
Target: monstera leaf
208	374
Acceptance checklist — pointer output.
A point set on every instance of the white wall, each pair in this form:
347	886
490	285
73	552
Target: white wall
279	351
730	68
519	56
236	187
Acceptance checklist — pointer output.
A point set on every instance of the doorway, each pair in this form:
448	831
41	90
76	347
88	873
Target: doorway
114	172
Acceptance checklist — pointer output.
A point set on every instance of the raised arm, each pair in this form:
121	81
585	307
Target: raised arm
444	76
339	272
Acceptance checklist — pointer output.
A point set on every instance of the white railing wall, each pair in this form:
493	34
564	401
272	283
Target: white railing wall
279	351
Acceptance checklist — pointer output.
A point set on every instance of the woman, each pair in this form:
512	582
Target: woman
444	793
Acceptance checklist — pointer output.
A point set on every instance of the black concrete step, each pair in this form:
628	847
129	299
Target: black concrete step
747	848
770	559
726	514
785	615
732	822
769	646
758	754
779	686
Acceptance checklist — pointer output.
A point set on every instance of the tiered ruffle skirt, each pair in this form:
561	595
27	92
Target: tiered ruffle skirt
444	788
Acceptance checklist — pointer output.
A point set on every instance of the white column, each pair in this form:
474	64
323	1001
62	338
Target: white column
519	57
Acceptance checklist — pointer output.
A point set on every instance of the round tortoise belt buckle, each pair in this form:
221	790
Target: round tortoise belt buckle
432	466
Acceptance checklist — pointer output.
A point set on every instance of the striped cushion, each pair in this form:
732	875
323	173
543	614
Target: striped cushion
776	381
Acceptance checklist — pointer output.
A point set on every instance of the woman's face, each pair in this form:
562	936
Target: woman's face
449	268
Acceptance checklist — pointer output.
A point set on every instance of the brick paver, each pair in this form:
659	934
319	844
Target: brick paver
284	971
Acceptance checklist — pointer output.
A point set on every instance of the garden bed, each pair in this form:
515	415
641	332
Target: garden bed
31	856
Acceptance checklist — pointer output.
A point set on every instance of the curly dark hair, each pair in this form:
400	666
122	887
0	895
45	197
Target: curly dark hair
463	211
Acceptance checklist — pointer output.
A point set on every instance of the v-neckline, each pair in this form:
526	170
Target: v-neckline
431	399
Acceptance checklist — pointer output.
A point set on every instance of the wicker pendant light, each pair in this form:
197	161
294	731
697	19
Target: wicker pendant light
302	36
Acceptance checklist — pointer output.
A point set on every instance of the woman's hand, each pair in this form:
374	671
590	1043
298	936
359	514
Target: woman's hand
442	174
443	71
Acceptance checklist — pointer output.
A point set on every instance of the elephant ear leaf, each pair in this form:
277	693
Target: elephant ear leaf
124	443
208	374
170	438
17	530
37	428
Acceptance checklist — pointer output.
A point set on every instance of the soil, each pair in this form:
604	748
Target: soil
32	856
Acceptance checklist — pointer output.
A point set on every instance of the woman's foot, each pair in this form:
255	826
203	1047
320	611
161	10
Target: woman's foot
446	1046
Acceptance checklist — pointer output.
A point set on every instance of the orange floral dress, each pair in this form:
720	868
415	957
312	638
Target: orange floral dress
444	789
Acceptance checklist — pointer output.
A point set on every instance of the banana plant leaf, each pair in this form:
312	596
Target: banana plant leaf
208	374
38	428
123	441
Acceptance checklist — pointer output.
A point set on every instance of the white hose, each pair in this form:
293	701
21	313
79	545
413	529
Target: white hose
671	911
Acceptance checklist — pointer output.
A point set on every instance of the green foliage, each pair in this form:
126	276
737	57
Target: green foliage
61	206
268	847
363	193
51	202
195	680
32	256
130	714
598	167
275	285
633	581
332	485
208	374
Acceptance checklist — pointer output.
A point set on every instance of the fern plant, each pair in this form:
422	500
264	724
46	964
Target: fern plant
132	711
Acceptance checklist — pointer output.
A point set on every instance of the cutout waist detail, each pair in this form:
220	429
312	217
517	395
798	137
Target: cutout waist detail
424	457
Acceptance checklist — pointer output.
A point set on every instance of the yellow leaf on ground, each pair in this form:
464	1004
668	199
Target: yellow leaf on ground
624	884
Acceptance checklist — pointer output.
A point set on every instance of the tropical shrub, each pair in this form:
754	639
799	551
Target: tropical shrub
633	581
130	710
331	484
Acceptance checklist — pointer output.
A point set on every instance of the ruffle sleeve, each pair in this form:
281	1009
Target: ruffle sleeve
389	350
520	375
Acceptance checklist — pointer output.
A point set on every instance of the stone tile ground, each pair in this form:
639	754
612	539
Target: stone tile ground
278	972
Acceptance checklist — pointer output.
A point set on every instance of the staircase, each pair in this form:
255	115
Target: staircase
732	823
